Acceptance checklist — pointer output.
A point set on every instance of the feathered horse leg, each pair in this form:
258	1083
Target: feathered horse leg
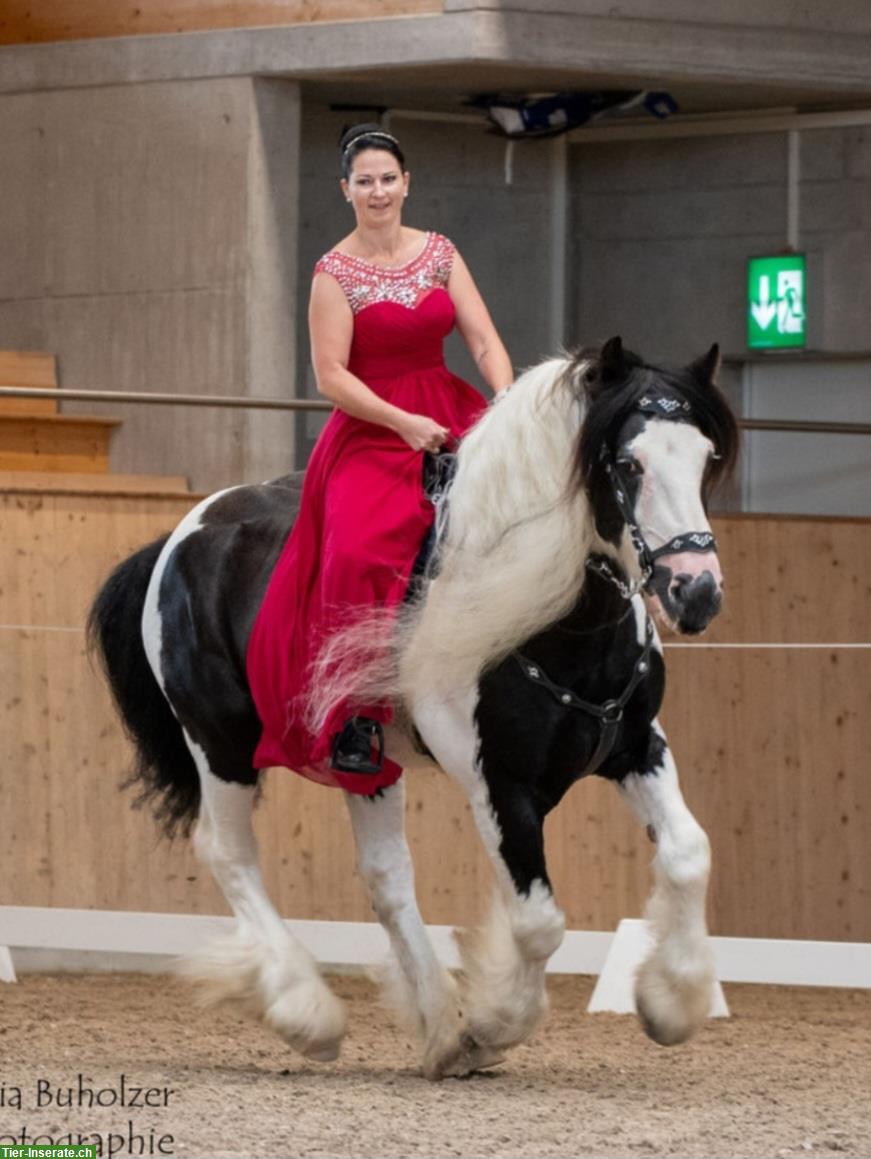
674	986
261	965
504	961
420	988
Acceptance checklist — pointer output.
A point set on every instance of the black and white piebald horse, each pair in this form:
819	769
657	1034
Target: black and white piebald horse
525	661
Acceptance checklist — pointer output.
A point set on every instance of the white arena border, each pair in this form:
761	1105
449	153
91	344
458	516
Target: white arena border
360	944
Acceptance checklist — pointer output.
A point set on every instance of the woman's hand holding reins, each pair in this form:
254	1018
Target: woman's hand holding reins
422	433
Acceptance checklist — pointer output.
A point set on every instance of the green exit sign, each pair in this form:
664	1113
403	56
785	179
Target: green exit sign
775	302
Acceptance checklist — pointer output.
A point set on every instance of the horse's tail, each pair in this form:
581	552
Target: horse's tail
356	667
164	770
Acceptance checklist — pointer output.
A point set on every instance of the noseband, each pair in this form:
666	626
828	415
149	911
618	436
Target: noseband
661	406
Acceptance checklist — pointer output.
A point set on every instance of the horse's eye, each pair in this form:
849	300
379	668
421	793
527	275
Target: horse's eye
630	466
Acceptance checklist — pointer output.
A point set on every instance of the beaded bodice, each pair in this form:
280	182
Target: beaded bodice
365	283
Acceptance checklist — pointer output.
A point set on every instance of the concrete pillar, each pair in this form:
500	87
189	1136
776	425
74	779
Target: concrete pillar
151	240
272	297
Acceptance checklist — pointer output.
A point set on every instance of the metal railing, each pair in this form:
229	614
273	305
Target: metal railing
143	396
316	404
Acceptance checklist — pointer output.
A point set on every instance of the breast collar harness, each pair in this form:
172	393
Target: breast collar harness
661	406
609	714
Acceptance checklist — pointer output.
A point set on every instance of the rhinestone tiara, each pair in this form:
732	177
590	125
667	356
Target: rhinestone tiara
371	133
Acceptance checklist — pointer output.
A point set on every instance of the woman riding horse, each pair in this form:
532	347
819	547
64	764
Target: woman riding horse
525	661
382	302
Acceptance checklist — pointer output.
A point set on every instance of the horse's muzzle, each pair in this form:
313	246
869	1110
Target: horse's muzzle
687	591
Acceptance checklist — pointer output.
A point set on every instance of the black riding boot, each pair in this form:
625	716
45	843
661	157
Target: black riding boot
359	747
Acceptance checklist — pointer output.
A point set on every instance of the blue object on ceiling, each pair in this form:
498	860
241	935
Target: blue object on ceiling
548	116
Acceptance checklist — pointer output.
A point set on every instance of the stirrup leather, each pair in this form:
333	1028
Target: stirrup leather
353	746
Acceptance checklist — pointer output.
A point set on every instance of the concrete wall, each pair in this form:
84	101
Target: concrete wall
811	474
457	188
662	232
149	237
162	236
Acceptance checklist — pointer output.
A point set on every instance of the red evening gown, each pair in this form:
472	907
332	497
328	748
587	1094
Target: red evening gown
363	514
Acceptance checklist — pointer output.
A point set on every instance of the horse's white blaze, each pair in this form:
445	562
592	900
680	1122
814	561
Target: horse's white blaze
674	456
674	984
262	965
152	626
504	960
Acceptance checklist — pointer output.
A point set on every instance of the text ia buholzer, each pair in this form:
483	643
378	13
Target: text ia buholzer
85	1093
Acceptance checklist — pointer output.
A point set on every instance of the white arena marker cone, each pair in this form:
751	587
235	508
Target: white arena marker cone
7	970
615	989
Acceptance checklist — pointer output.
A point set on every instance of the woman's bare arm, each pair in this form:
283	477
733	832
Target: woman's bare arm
476	326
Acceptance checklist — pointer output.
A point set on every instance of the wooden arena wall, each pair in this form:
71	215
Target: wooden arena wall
772	741
33	21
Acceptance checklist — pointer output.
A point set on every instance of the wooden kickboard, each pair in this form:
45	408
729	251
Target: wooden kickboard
90	483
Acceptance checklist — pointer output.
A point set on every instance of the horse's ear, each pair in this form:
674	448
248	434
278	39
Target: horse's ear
706	368
612	360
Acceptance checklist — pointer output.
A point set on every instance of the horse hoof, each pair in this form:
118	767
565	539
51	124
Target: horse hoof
323	1051
661	1033
466	1059
670	1009
486	1059
315	1029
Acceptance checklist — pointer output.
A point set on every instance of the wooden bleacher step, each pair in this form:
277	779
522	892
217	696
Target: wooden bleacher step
55	443
33	436
42	450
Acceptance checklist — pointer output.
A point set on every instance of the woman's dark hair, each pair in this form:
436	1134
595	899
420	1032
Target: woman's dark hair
361	137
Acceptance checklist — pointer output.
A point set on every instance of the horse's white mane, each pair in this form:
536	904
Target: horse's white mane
510	563
512	560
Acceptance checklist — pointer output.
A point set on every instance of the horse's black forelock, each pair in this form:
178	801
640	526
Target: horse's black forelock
609	406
